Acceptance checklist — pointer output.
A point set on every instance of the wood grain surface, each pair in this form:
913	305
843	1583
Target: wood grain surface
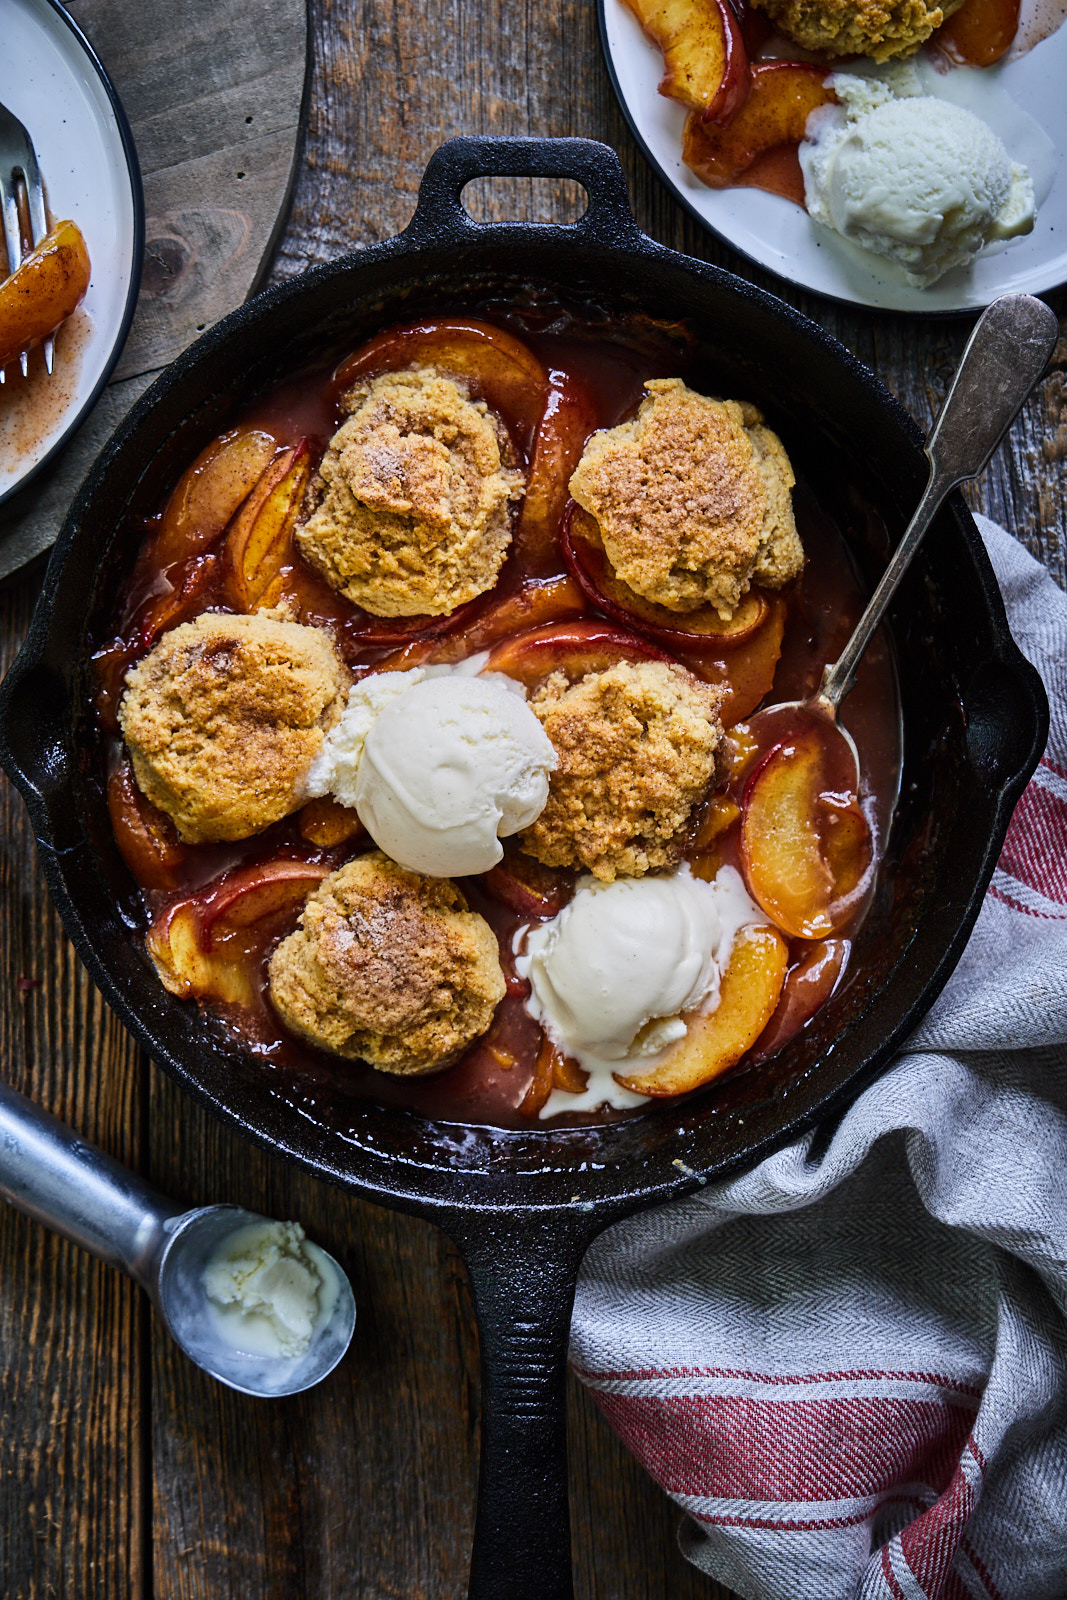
127	1475
214	104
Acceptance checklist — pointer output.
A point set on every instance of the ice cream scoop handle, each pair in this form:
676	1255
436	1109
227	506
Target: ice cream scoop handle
1004	357
52	1175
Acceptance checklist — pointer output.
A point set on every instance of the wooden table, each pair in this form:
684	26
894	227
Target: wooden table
125	1472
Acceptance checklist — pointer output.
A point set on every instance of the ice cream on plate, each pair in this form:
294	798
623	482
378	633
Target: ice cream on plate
912	177
439	768
613	974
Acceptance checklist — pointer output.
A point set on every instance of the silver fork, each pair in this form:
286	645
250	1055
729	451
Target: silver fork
18	165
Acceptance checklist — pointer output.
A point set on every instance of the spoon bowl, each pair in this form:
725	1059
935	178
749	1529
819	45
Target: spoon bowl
190	1242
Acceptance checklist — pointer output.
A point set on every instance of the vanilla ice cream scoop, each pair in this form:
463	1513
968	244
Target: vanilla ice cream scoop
914	178
612	974
448	768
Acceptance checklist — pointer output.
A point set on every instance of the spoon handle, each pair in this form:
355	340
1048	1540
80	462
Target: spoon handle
52	1175
1005	355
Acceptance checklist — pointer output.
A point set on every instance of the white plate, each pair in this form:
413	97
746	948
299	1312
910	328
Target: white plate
51	80
781	237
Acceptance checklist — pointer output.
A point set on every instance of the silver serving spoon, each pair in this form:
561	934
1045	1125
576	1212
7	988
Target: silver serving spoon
1004	357
75	1189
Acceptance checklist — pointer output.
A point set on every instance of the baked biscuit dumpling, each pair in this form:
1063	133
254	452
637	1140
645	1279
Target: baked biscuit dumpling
638	747
389	967
224	717
692	499
876	28
413	497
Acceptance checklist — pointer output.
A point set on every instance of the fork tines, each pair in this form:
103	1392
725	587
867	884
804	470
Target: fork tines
18	166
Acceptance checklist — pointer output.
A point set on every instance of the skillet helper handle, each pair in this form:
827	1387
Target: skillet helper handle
70	1186
441	217
523	1270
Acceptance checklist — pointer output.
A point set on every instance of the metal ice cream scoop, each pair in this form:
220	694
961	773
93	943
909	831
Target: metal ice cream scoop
78	1191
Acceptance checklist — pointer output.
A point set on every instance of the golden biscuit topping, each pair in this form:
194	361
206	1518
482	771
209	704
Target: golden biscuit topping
224	717
638	749
389	967
413	498
692	499
876	28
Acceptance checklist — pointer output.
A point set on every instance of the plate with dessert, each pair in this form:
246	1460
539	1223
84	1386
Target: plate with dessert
77	290
901	157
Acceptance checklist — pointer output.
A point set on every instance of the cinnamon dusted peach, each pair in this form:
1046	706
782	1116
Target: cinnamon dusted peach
224	717
389	967
413	497
638	747
692	500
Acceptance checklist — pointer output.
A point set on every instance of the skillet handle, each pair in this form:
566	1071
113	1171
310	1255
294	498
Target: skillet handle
523	1269
441	217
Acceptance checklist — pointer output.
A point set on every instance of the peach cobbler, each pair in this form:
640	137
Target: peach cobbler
425	720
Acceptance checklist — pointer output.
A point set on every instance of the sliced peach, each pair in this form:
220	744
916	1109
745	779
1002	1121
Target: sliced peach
715	1041
588	564
979	33
782	97
210	491
188	583
494	365
528	887
747	670
806	853
552	1070
260	541
269	892
574	648
704	57
147	839
809	983
175	944
327	823
569	418
44	289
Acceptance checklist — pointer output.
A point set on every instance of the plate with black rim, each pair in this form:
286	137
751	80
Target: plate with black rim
52	81
1022	98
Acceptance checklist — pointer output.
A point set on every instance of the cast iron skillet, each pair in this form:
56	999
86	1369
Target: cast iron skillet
522	1207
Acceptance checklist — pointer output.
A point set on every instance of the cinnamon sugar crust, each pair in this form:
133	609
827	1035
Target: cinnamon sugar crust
224	717
876	28
412	499
638	747
692	499
389	967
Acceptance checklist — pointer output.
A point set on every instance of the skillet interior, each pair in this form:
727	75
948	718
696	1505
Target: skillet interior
973	709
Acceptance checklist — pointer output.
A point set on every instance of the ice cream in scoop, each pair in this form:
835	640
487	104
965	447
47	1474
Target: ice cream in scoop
916	179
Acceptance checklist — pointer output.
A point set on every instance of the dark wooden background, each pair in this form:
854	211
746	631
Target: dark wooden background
124	1473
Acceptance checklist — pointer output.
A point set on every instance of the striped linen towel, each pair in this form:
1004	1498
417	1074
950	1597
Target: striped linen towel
849	1366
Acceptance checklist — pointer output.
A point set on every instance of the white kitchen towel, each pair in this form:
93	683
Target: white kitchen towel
849	1366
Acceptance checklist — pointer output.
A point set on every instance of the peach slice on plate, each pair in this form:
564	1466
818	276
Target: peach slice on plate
588	564
806	851
46	287
782	97
210	492
574	648
716	1040
260	541
704	57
